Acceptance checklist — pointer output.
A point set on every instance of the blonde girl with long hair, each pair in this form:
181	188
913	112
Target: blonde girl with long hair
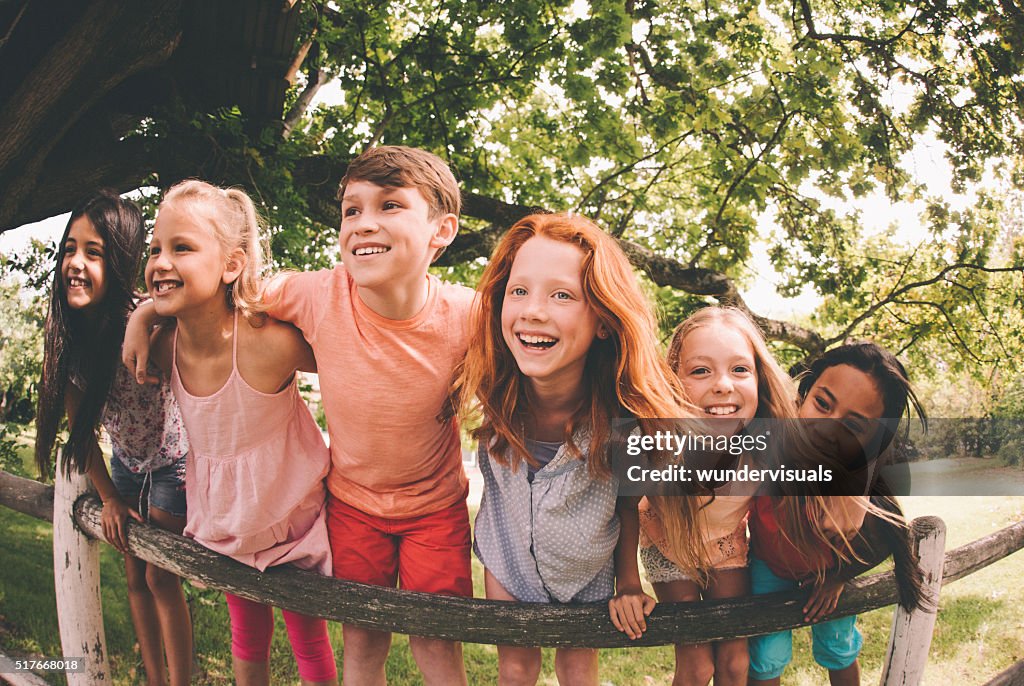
695	547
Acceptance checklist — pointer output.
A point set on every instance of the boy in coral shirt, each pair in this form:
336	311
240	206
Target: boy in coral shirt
387	336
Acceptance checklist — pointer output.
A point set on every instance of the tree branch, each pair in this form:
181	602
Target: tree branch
894	295
780	128
298	110
69	176
114	40
316	175
300	57
631	166
14	24
812	31
949	320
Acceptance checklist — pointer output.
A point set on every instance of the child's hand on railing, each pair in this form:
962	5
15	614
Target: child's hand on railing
824	598
629	609
114	521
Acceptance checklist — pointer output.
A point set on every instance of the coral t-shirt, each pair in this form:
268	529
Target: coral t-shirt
383	383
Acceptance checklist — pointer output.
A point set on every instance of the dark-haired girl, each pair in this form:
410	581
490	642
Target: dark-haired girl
855	396
96	269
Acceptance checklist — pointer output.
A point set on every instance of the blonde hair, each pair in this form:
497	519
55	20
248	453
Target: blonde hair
802	520
776	396
234	222
681	516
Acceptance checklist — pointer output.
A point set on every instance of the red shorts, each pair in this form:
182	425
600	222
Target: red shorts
429	553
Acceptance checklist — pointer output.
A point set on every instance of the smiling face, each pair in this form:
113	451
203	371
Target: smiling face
187	267
83	266
852	401
719	372
545	319
387	234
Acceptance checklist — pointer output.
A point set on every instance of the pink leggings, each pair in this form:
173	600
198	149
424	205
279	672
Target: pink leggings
252	626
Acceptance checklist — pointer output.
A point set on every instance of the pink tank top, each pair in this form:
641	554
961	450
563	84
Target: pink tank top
255	474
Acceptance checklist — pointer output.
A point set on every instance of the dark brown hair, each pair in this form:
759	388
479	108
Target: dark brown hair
88	349
881	365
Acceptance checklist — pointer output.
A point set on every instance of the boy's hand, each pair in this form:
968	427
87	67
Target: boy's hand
114	522
824	598
135	350
629	609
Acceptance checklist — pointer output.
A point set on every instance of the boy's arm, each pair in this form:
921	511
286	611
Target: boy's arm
276	301
630	606
135	349
115	512
299	299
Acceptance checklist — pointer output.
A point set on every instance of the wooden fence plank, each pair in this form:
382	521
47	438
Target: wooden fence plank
911	633
969	558
76	576
1012	676
480	621
26	496
484	621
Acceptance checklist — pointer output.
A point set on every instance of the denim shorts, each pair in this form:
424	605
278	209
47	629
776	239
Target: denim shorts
162	488
836	643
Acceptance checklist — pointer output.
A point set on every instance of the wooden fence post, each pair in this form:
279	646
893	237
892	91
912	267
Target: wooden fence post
76	573
911	634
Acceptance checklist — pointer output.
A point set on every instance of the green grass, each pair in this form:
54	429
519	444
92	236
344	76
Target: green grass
980	630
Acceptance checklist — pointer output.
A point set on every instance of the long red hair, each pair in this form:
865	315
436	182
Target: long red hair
624	373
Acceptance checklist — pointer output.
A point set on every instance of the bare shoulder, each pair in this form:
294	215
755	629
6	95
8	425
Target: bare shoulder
267	331
273	347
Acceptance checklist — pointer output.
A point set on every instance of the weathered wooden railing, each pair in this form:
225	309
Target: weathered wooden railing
505	623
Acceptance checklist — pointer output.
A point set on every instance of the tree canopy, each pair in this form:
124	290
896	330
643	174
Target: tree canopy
675	125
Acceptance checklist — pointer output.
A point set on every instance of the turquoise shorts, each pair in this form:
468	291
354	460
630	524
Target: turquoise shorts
837	643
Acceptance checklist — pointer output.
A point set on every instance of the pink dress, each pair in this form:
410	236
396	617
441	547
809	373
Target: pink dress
255	475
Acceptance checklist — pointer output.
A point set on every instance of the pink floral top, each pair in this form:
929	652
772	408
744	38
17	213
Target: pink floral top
143	422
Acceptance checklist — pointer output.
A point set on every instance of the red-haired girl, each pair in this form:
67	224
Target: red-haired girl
563	343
